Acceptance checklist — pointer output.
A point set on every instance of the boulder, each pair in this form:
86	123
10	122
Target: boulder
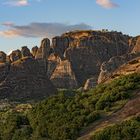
15	55
90	83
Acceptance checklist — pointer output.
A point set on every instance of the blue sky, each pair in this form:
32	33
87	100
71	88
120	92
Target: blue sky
26	22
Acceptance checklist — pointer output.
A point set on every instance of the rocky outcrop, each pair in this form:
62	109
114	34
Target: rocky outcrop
133	66
24	77
4	70
25	81
34	51
25	52
43	51
135	44
53	61
78	58
108	67
60	44
15	55
2	57
63	76
87	50
90	83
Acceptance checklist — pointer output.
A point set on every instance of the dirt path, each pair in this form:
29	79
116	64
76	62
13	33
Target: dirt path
131	108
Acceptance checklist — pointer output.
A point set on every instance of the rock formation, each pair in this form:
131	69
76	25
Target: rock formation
133	66
60	44
43	51
25	52
74	59
2	57
135	44
22	77
63	76
87	50
15	55
34	51
90	83
24	81
108	67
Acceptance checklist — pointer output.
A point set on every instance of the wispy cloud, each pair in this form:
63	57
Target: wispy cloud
106	3
41	29
16	2
19	3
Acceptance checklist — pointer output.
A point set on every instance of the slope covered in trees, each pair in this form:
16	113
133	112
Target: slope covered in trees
63	116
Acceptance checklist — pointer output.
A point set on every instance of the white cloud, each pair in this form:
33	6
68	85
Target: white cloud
41	29
106	3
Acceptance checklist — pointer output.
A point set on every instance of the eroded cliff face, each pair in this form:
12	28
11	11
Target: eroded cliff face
63	76
109	67
87	50
74	59
23	76
132	66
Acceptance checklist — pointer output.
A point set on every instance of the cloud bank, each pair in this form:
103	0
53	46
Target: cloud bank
40	29
106	3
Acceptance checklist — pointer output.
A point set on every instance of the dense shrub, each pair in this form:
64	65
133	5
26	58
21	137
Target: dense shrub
127	130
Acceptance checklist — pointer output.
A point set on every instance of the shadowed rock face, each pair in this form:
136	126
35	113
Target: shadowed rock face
24	77
25	81
2	57
25	52
60	44
34	51
43	51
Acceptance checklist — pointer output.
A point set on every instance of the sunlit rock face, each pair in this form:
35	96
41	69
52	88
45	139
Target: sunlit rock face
109	67
135	44
15	55
63	76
